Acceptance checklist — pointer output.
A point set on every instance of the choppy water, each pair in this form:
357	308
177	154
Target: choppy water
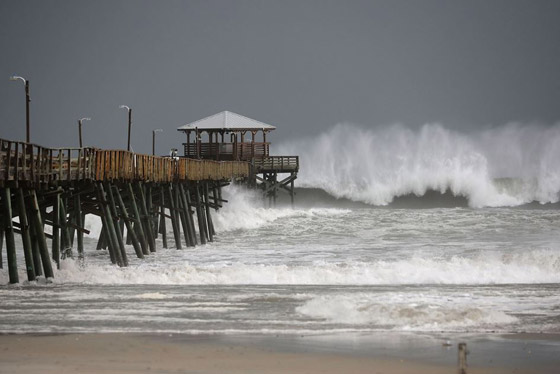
308	270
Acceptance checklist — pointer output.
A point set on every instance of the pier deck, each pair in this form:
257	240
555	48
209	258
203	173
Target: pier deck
32	165
58	187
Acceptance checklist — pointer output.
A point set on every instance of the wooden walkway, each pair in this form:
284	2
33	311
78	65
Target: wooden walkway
58	187
40	167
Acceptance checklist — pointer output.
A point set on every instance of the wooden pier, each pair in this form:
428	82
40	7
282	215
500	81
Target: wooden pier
58	187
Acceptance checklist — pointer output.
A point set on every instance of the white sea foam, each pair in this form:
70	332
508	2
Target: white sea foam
377	165
245	211
359	309
536	266
152	296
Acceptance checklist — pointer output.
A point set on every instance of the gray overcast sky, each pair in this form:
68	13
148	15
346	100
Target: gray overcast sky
300	65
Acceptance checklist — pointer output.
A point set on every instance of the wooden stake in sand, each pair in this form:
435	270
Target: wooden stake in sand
462	359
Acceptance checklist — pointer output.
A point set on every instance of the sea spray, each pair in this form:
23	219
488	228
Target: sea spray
377	165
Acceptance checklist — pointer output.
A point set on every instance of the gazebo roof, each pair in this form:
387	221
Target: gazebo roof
226	120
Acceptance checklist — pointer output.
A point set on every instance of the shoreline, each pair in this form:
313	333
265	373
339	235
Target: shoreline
329	353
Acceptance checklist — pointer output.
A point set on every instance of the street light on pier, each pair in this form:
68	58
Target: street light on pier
27	100
154	140
80	128
129	123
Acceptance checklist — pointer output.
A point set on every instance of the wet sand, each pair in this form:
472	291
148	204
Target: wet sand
138	353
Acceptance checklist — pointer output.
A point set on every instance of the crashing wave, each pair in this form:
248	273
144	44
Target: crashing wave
507	166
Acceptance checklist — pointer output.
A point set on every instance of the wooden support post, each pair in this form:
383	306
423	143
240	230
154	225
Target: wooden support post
188	211
80	224
37	222
209	226
275	189
215	199
101	241
107	240
162	228
128	238
9	232
114	249
152	216
174	218
35	248
292	192
115	216
66	242
1	241
182	215
138	222
128	223
187	195
56	231
462	358
147	225
72	220
200	216
26	238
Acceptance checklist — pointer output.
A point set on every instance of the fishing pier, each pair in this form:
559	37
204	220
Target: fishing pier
133	194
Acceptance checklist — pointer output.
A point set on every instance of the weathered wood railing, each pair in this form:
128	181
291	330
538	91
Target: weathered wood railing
276	164
244	151
29	163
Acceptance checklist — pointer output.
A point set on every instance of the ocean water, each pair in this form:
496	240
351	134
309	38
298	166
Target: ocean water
314	270
365	249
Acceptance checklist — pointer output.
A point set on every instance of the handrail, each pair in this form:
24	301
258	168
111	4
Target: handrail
276	164
241	151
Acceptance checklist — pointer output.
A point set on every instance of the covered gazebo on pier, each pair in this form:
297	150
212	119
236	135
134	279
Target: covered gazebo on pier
226	136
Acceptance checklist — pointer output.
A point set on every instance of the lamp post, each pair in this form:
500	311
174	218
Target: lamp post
27	100
80	128
129	123
154	140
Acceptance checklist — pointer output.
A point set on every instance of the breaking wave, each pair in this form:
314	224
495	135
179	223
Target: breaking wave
506	166
531	267
411	315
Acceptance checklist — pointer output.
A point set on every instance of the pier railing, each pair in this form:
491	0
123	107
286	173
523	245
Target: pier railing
276	164
243	151
30	163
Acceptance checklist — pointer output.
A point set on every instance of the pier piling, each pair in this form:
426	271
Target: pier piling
80	224
26	238
162	225
9	232
200	216
209	224
145	218
128	223
37	221
116	224
56	231
138	227
1	241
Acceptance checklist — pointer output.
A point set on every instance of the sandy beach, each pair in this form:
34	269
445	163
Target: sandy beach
135	353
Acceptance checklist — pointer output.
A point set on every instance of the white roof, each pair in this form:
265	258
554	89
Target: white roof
226	120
